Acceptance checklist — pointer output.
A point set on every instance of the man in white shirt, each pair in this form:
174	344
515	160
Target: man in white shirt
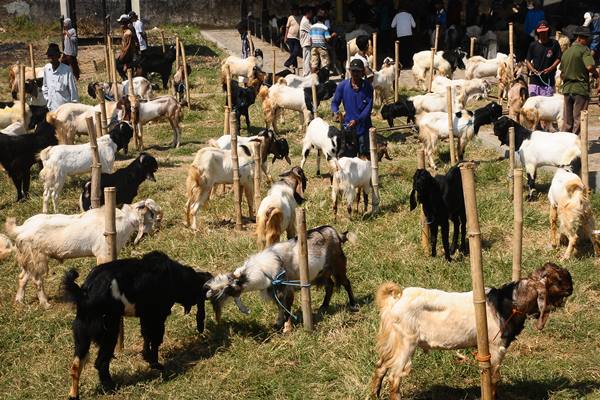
305	41
59	82
404	24
138	25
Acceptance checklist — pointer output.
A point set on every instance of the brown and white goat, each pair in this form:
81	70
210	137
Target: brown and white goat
277	211
417	317
160	108
517	95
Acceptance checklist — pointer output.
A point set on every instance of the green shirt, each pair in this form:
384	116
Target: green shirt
573	66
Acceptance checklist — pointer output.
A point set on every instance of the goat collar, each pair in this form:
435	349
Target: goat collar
515	311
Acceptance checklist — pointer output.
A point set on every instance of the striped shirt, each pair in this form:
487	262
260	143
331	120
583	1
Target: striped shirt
319	34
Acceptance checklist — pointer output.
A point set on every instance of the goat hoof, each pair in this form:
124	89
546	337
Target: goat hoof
157	365
353	307
323	310
73	398
108	386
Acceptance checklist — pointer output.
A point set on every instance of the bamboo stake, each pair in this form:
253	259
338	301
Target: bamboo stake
431	63
397	70
437	38
115	76
274	58
98	123
472	48
109	56
102	101
228	83
162	41
374	171
106	62
347	60
315	106
453	156
511	161
425	234
304	277
32	60
511	50
257	175
479	301
22	95
374	51
185	76
251	41
585	177
110	232
95	199
133	101
226	121
176	52
237	194
518	224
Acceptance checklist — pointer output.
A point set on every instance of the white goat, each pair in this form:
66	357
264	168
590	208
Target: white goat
239	67
63	237
434	126
164	107
6	247
432	102
14	129
10	115
141	88
545	109
69	119
63	160
280	97
351	174
472	89
479	67
383	81
422	62
323	137
213	166
296	81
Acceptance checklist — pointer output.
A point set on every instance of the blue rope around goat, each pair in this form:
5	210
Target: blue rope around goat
279	281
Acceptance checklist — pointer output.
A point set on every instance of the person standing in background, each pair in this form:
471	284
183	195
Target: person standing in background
592	20
70	47
305	42
319	36
138	27
535	14
292	37
404	24
59	85
129	54
542	59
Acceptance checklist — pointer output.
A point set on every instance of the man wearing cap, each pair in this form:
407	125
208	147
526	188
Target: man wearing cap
542	59
356	94
576	64
59	81
138	26
128	56
70	47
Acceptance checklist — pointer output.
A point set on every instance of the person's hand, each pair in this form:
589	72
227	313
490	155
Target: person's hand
334	34
352	123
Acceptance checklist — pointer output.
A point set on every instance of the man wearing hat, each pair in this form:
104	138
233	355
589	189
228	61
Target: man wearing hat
576	64
129	54
138	26
70	47
59	81
542	59
356	94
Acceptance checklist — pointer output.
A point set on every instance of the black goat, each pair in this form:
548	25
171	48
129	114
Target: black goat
242	98
146	288
127	181
280	74
442	199
347	143
325	91
18	154
487	114
159	63
402	108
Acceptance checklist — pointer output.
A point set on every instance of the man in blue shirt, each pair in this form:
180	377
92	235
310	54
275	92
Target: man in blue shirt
356	94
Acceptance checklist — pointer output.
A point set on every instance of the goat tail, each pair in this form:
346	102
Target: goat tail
51	118
387	295
263	92
72	291
193	184
10	226
44	154
268	226
348	237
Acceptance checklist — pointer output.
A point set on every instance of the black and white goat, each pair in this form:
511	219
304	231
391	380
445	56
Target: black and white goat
538	148
402	108
126	180
485	115
262	271
416	317
442	200
146	288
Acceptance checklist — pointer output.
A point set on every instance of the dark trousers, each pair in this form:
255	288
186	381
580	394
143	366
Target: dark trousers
295	49
363	145
406	51
574	104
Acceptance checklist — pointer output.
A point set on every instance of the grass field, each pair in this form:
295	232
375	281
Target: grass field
243	357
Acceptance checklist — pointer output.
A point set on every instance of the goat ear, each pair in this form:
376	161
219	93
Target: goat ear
141	210
542	300
413	200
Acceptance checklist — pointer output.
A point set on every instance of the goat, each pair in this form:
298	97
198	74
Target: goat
442	200
402	108
434	126
159	63
351	173
327	139
505	78
213	166
383	81
13	77
141	88
63	160
64	237
146	288
280	74
14	129
279	97
179	80
548	109
239	67
159	108
326	267
570	206
434	102
10	115
485	115
479	67
537	148
416	317
18	154
296	81
6	247
517	95
242	98
473	89
126	180
276	212
444	63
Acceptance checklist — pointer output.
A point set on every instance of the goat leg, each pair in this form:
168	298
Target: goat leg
531	186
433	239
376	381
25	183
318	162
553	226
445	233
456	225
329	285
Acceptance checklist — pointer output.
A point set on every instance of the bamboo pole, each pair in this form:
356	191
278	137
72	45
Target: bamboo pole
228	83
374	51
453	155
226	121
162	41
257	175
339	11
511	161
176	52
472	47
115	76
374	171
511	50
237	194
98	123
437	38
347	60
518	224
110	233
32	60
96	171
315	106
185	75
274	65
479	301
431	65
133	101
304	277
22	95
106	61
425	234
109	57
583	138
251	42
397	70
102	102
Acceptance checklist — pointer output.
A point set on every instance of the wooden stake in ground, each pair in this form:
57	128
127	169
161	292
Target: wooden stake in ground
583	138
374	51
518	224
483	351
237	193
102	102
511	161
109	56
106	60
115	76
511	50
32	60
228	83
251	42
453	157
274	64
110	233
257	172
374	171
98	123
472	47
425	234
437	38
347	60
315	106
162	40
303	261
134	119
177	48
185	76
226	129
431	65
96	171
396	70
22	95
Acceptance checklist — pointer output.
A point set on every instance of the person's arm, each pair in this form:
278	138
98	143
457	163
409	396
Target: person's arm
337	99
287	27
589	63
73	88
366	112
552	67
529	58
126	43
